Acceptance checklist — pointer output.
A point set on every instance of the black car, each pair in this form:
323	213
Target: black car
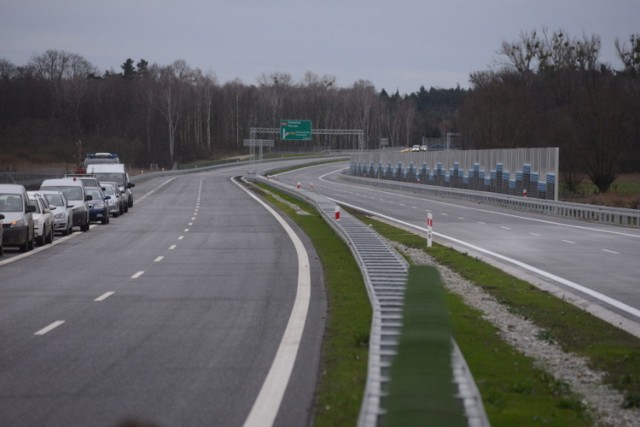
98	206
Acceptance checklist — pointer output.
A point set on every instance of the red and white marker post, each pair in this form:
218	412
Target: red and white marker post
524	192
429	229
337	213
298	186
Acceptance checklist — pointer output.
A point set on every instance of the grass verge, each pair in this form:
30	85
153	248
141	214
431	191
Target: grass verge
421	386
346	341
607	348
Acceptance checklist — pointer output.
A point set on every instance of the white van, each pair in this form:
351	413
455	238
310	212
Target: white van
114	173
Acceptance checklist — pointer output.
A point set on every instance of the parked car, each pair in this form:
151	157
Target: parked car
98	205
415	148
17	226
115	202
74	190
1	234
62	211
42	218
114	172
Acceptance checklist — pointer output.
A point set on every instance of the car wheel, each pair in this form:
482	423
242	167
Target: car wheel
105	220
1	250
131	202
32	243
51	235
40	240
126	208
70	231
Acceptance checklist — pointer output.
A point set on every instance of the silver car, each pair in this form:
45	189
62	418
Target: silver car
42	218
62	211
17	226
115	203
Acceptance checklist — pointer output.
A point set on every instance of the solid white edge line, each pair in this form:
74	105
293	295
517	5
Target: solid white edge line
138	274
49	328
104	296
595	294
267	404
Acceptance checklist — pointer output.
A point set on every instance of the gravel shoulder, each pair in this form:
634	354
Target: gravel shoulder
603	402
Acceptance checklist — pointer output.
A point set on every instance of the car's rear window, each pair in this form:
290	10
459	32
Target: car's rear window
71	192
54	199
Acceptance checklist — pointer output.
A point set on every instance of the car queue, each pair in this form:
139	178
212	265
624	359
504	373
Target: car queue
31	218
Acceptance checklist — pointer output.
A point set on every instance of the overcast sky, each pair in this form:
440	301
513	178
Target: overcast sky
399	44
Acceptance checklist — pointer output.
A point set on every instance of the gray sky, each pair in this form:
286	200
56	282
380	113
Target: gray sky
400	44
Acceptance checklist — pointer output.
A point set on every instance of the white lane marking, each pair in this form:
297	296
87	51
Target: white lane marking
160	258
193	218
382	200
138	274
569	242
104	296
444	214
267	404
611	252
402	204
535	234
186	230
480	222
49	328
190	224
544	221
180	237
505	228
414	207
460	218
141	198
172	247
595	294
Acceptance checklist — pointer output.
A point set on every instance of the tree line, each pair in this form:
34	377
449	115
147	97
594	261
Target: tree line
549	89
552	89
151	113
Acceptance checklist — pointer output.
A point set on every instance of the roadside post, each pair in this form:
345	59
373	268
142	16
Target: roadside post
337	213
429	230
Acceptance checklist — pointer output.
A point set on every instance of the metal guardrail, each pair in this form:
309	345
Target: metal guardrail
385	274
601	214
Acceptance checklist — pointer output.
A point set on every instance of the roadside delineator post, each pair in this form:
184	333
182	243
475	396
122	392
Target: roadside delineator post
429	229
312	186
298	186
337	213
524	192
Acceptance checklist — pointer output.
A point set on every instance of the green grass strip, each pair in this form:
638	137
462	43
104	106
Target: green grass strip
345	347
607	348
422	391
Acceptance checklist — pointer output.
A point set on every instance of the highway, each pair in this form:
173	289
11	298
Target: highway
172	313
599	263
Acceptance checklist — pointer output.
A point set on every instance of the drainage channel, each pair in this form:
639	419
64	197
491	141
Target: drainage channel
385	273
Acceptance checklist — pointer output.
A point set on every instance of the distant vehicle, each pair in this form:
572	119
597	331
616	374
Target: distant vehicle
100	158
74	191
98	205
88	179
415	148
62	211
114	173
424	148
17	226
42	218
115	202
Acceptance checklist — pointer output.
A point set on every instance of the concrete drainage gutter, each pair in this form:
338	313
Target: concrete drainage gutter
385	274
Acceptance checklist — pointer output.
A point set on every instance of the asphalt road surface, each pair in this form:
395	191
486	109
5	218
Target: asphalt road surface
172	313
602	259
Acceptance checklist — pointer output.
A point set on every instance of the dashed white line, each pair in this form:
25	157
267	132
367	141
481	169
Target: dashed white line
138	274
160	258
190	224
193	219
414	207
460	218
569	242
444	214
402	204
611	252
172	247
186	230
505	228
480	222
49	328
535	234
180	237
104	296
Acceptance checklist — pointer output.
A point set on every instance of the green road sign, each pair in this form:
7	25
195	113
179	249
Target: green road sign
295	130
